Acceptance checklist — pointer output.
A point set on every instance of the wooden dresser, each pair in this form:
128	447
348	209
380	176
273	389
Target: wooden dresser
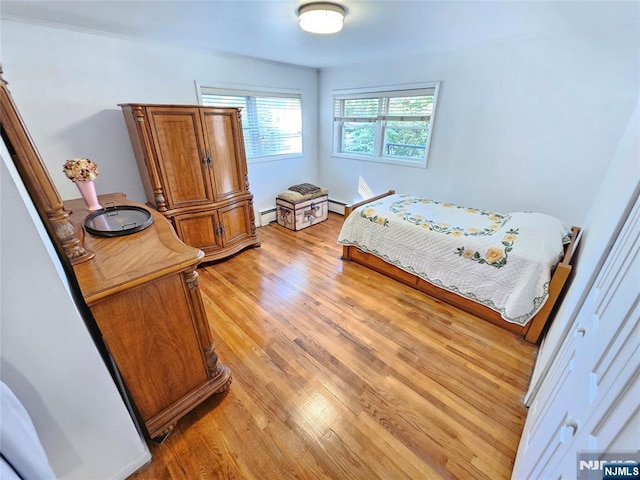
143	292
194	170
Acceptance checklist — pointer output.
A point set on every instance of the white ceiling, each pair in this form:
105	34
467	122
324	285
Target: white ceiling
374	29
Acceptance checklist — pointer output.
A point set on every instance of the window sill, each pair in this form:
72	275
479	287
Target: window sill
275	158
384	160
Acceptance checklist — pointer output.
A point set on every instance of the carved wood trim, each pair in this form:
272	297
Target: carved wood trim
252	219
198	314
212	361
156	184
191	277
219	373
37	180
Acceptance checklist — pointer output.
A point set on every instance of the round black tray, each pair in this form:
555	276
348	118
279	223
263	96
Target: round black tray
118	220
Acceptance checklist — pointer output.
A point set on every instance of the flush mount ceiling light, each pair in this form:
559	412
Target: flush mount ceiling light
321	17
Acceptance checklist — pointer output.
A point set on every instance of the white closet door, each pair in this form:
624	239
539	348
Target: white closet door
589	400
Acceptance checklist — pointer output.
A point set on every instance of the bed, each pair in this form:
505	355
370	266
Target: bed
506	268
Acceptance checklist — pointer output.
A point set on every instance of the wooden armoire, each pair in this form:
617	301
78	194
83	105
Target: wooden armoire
194	169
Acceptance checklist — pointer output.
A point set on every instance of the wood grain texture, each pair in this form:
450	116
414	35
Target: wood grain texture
140	328
143	292
194	169
122	263
343	373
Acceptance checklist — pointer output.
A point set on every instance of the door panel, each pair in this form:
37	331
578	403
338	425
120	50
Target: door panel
199	230
223	144
180	146
151	336
236	222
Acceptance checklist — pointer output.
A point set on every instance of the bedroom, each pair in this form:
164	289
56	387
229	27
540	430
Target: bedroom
566	94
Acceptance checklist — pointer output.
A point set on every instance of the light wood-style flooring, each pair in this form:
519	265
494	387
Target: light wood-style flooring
340	373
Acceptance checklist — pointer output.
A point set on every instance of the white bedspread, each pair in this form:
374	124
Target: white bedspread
503	261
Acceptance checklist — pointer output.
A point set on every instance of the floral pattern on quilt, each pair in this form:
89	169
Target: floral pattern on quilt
494	256
370	214
502	261
406	210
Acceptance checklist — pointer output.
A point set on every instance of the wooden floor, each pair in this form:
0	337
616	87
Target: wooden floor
340	373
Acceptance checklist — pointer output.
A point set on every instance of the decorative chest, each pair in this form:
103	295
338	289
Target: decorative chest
295	210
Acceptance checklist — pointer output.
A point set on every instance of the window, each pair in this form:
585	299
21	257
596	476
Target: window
271	122
391	126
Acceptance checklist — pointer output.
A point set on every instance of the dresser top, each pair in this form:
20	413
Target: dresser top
127	261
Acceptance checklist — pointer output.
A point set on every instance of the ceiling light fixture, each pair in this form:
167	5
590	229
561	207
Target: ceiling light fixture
321	17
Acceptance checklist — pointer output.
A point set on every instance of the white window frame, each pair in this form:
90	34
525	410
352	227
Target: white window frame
383	92
256	91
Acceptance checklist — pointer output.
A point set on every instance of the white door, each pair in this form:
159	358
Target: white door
589	400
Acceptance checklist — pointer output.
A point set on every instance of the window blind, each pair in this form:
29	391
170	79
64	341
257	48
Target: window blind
271	123
395	105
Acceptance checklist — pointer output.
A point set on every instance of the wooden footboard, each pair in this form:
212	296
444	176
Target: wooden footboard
531	332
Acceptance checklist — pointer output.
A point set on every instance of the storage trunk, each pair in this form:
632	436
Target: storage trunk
296	216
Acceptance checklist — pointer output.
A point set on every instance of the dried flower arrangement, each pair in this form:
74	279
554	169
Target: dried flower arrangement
80	170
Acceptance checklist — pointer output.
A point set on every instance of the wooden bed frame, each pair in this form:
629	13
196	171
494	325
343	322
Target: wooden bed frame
533	329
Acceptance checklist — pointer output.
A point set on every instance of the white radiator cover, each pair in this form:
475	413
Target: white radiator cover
266	216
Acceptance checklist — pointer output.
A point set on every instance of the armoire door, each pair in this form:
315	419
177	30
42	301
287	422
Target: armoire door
182	155
200	230
235	222
223	133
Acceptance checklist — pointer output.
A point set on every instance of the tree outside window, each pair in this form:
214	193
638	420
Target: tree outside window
393	126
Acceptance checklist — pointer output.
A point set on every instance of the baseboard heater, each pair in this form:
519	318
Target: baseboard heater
265	217
336	207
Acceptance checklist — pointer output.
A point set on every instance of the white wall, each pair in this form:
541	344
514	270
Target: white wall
525	125
612	202
67	85
47	356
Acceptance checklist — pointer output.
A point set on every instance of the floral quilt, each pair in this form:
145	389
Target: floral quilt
501	260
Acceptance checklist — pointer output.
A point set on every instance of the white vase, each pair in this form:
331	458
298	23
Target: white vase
89	195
